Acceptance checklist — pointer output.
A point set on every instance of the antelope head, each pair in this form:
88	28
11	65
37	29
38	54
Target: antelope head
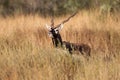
53	32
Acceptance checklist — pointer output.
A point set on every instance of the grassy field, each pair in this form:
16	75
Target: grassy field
27	53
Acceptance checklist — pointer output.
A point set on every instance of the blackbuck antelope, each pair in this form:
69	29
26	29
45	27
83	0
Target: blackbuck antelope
57	40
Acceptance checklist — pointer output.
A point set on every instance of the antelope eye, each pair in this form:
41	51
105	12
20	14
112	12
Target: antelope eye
56	31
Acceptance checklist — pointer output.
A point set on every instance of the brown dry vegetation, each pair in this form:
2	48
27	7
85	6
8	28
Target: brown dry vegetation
26	51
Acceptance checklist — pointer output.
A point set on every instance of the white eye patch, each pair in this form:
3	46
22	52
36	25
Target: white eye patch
56	31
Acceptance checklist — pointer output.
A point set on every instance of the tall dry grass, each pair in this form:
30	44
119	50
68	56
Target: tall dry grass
26	51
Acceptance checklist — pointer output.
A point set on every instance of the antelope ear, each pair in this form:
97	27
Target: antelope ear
48	27
60	27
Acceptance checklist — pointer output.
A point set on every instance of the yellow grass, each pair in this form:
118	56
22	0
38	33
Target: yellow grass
27	53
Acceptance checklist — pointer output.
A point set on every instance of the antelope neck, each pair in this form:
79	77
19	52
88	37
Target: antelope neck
57	41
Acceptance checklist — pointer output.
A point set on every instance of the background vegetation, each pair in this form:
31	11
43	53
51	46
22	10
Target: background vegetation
56	7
